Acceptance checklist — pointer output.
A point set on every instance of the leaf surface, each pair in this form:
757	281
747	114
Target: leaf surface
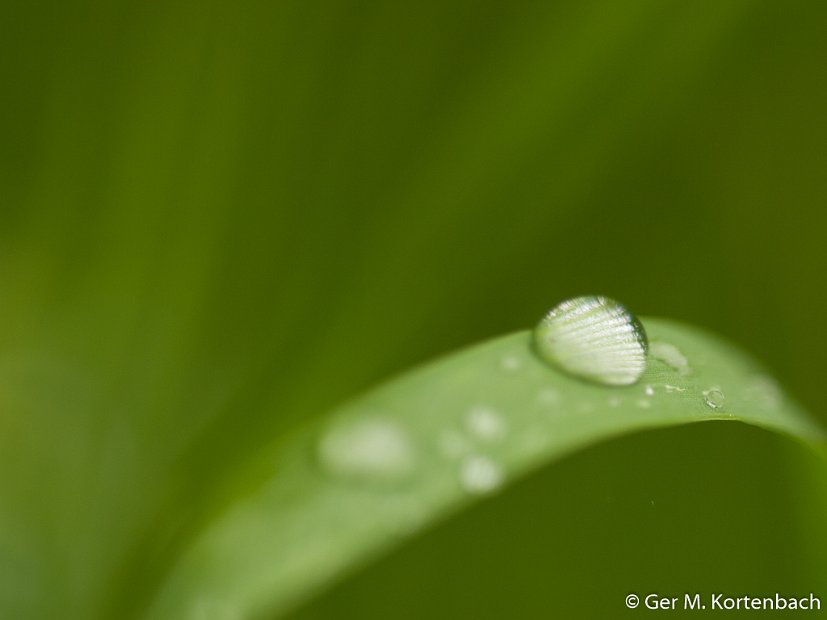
374	472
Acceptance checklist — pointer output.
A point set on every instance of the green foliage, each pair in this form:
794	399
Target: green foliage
426	443
216	225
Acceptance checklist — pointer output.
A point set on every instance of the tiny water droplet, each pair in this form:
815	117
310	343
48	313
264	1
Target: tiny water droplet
510	363
367	450
485	424
644	403
614	401
670	355
673	388
480	474
714	398
594	338
649	390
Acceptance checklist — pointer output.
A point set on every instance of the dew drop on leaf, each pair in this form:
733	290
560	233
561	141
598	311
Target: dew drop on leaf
594	338
670	355
714	398
480	474
367	450
485	424
510	363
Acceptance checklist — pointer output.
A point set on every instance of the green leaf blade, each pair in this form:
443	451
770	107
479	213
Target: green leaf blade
466	423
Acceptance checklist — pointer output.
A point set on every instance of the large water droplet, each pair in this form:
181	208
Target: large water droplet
594	338
714	398
367	450
670	355
480	474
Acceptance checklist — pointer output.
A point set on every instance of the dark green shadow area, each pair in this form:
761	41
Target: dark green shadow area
702	508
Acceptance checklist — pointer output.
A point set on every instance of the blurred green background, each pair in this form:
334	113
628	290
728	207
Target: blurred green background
218	220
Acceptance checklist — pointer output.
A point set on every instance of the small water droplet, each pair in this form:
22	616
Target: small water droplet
673	388
714	398
614	401
643	403
649	390
480	474
670	355
510	363
485	424
594	338
367	450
